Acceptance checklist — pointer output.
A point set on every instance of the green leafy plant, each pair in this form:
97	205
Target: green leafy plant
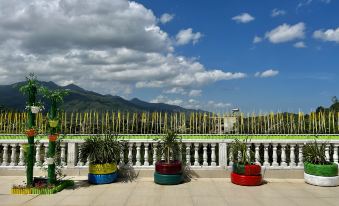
169	144
239	151
315	153
102	149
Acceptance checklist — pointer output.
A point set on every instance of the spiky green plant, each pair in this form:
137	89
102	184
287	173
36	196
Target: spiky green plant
170	145
239	151
102	149
315	153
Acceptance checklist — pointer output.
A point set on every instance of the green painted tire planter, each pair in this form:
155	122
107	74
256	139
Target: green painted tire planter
168	179
101	169
329	170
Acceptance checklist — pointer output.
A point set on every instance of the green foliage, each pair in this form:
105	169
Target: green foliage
315	153
30	89
102	149
239	151
169	144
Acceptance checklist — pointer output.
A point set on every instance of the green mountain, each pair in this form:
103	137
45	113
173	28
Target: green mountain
82	100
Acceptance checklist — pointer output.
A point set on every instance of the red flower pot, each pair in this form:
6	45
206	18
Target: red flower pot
53	137
30	132
171	168
248	169
246	180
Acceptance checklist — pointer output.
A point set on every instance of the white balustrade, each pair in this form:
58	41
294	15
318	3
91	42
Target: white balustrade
12	153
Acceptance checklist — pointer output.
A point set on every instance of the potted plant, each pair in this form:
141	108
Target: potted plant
103	153
31	132
244	172
169	171
317	170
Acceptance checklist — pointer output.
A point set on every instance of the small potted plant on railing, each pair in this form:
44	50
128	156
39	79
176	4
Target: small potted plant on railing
31	132
103	153
317	170
169	172
244	172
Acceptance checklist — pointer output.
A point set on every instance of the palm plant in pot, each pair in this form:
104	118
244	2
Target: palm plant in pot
103	153
244	172
317	170
169	170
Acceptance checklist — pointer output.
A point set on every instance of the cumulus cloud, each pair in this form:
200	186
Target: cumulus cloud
286	32
186	36
243	18
328	35
257	39
300	45
278	12
165	18
267	73
166	100
195	93
101	45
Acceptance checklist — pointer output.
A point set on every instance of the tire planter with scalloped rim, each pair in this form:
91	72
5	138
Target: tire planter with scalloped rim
246	180
174	167
102	179
101	169
248	169
329	170
167	179
321	181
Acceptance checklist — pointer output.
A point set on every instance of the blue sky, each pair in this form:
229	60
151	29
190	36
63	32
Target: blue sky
307	77
214	55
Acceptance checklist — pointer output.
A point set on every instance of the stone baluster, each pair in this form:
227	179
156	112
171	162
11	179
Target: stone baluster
130	155
205	163
154	153
266	163
122	157
87	161
213	156
5	155
46	152
138	163
63	154
283	156
180	153
188	154
327	152
146	162
335	154
21	156
257	155
13	155
300	156
196	154
80	162
38	155
248	151
292	156
275	156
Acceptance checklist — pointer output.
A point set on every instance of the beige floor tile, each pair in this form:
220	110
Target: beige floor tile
215	201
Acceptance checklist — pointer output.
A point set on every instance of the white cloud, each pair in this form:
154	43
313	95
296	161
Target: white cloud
257	39
195	93
186	36
286	32
326	1
278	12
175	90
165	18
243	18
328	35
267	73
218	105
101	45
166	100
300	44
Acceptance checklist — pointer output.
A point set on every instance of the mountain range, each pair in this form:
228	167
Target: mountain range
80	100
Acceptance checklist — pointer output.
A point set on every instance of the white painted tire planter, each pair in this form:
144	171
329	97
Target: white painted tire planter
35	109
321	181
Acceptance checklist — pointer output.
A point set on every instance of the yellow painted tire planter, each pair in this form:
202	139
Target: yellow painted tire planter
101	169
53	123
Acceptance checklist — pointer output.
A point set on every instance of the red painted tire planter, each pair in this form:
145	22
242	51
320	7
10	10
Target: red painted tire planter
246	180
249	169
174	167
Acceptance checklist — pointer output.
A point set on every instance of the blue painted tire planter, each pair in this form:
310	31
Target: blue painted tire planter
168	179
102	179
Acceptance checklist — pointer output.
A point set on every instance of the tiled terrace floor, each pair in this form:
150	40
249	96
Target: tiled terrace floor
202	191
